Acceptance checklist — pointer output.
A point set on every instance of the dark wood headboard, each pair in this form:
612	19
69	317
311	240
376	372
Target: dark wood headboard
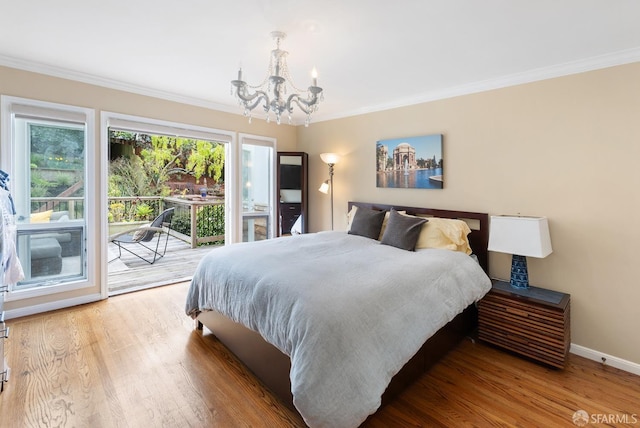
478	222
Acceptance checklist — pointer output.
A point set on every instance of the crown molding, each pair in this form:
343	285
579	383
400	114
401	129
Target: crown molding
574	67
91	79
543	73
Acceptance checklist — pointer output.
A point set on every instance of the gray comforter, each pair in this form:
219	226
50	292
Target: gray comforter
349	311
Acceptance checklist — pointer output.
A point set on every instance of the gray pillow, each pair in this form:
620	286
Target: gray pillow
367	222
402	231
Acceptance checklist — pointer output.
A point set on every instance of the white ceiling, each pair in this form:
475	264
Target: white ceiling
370	54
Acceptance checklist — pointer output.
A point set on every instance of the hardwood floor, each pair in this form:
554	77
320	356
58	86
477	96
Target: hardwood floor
136	360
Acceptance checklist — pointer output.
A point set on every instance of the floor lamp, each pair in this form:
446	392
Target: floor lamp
330	159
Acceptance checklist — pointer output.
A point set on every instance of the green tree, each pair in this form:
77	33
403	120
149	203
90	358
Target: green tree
165	156
127	177
160	158
207	158
58	147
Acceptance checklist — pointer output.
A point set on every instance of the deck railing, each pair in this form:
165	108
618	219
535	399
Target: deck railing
196	221
134	208
74	205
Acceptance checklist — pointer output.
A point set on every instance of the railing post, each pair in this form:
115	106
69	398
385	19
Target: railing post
194	226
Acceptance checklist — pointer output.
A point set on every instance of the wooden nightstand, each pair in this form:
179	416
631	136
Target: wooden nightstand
534	322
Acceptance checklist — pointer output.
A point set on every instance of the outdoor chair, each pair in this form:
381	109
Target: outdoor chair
131	240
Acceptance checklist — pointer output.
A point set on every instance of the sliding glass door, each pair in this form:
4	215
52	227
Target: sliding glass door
157	165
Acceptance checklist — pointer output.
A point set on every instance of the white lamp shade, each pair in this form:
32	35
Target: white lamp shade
523	236
324	187
332	158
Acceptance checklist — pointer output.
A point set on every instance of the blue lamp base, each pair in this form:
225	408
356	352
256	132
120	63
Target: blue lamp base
519	273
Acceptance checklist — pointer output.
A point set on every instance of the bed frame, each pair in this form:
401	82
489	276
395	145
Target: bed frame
272	367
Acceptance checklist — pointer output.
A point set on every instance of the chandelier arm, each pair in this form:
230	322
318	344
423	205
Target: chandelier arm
307	106
262	96
247	98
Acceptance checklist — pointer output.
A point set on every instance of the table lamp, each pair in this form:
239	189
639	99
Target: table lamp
521	237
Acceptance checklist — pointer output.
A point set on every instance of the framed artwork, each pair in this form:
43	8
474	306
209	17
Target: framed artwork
410	163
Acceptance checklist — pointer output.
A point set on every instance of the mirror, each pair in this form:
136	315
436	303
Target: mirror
292	193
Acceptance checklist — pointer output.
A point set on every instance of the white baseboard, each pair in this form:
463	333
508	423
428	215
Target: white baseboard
605	359
52	306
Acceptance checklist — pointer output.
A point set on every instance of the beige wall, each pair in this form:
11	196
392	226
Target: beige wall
566	148
45	88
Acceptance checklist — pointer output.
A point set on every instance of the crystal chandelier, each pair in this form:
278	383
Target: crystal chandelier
278	83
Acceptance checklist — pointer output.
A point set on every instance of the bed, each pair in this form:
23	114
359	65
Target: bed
305	325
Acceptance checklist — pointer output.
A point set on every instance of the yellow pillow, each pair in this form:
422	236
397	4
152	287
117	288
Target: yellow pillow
445	233
42	217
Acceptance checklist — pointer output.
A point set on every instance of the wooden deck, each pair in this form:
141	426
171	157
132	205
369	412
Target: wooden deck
129	273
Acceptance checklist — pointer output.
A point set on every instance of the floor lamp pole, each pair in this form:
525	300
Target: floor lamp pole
331	190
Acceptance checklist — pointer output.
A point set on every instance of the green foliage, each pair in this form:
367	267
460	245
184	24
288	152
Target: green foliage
39	185
162	157
63	180
57	147
128	177
143	211
210	222
116	212
36	159
182	223
206	158
54	148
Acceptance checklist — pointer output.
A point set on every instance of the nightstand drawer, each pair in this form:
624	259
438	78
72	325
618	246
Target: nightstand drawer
553	354
524	309
532	322
533	332
535	320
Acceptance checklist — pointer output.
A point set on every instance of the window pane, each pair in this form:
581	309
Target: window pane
50	200
256	192
51	256
57	169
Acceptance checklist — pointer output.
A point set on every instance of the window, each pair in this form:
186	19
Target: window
47	146
258	189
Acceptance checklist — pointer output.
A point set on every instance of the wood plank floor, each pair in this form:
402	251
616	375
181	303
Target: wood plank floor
129	273
135	360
